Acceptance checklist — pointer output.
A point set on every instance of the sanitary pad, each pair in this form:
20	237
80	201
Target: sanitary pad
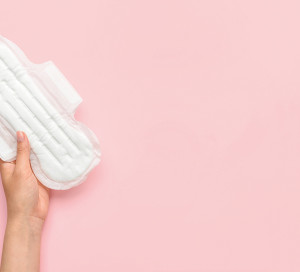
39	100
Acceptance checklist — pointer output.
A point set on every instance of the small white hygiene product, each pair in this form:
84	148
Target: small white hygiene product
39	100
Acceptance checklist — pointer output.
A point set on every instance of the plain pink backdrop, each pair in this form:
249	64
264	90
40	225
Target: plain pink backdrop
197	108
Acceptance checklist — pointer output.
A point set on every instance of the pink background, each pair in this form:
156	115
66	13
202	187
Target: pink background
197	108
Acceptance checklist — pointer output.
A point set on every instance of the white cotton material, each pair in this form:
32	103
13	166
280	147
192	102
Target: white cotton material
39	100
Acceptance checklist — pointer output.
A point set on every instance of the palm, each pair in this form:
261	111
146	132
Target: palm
35	191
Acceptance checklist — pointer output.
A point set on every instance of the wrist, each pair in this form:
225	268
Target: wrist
27	223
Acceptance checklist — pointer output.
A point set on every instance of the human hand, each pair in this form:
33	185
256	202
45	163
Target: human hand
27	207
26	197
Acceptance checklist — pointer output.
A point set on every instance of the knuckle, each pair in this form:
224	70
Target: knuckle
21	148
21	172
17	172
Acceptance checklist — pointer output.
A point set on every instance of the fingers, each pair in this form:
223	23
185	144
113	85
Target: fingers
23	151
1	165
6	171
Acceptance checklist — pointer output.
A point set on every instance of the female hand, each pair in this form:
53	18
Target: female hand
27	207
25	195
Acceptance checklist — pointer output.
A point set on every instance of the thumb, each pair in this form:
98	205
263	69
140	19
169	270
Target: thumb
23	151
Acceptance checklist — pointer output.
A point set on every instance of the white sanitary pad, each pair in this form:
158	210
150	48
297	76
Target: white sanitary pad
38	99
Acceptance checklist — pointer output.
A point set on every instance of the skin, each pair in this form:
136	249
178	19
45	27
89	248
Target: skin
27	208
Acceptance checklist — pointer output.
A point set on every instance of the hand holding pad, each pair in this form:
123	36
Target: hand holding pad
38	99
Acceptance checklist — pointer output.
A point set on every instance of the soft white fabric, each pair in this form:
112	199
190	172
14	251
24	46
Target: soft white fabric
38	100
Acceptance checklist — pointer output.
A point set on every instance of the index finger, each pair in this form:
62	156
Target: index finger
6	168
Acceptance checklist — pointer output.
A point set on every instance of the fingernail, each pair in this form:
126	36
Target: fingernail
20	136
